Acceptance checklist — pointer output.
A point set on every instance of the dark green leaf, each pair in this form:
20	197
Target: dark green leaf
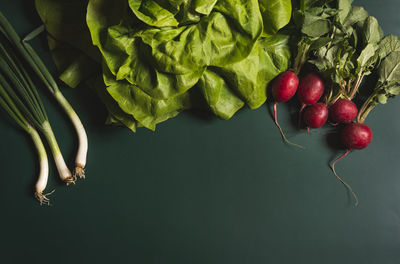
371	32
389	69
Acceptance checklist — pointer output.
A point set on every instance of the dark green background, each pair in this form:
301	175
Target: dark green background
201	190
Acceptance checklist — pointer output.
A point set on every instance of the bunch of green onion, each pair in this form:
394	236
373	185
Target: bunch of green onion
20	99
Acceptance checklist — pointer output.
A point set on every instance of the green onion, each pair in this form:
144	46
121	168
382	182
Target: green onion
30	56
21	100
10	107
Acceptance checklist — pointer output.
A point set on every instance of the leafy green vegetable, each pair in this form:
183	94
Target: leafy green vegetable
249	76
75	66
160	57
388	72
276	14
65	21
347	51
313	21
346	44
20	99
222	101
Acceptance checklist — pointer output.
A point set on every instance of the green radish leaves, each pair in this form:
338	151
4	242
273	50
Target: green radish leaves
389	70
388	84
388	75
351	51
346	44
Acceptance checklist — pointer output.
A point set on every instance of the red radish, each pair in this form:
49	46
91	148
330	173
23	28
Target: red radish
283	89
310	90
354	136
315	116
285	86
343	111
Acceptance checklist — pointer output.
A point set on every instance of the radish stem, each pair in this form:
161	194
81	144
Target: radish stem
301	57
303	105
356	86
368	105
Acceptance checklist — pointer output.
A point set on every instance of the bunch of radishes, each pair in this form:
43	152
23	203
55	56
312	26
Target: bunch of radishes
309	90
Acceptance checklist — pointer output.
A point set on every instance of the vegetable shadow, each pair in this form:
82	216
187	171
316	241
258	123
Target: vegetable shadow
33	17
91	105
201	110
204	115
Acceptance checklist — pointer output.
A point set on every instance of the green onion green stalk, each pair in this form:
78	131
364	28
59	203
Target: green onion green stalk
20	99
10	107
20	91
26	51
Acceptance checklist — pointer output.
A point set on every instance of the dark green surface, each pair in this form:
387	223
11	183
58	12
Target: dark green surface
202	190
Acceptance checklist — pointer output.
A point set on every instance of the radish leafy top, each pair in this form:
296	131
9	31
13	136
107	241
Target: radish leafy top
388	75
346	44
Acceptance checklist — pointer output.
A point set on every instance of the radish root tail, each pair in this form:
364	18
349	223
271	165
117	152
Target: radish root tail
43	199
341	180
79	172
280	129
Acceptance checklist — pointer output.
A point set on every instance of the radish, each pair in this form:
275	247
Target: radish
283	89
354	136
315	116
310	90
343	111
285	86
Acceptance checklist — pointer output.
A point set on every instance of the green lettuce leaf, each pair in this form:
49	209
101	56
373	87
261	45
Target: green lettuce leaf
160	57
276	14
